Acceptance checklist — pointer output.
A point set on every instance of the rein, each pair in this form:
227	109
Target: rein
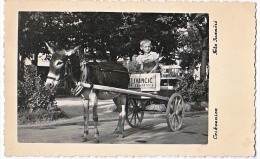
52	78
60	80
70	74
107	70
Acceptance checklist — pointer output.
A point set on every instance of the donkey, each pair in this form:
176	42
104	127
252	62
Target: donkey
104	73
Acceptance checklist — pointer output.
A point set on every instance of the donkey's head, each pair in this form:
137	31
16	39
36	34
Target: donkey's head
57	62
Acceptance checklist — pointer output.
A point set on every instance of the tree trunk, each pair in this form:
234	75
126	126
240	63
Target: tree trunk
81	53
204	57
21	68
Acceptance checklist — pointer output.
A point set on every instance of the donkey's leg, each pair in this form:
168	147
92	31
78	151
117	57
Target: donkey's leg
123	113
120	126
118	104
93	103
86	117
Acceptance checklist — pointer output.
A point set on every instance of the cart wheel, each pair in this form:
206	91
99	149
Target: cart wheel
175	112
135	113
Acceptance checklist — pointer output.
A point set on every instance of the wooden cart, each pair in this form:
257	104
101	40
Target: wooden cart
147	89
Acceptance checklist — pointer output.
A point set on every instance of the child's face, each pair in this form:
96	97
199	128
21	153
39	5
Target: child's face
146	47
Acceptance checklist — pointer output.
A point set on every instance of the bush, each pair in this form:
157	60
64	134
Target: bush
31	91
35	102
194	91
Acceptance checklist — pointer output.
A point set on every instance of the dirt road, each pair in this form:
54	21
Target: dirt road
155	130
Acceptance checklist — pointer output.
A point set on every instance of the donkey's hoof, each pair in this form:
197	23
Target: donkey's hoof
117	131
121	136
84	139
96	140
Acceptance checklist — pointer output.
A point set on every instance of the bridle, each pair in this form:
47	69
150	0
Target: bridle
69	75
52	78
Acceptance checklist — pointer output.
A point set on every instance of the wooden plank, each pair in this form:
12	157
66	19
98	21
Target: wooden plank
124	91
170	78
167	88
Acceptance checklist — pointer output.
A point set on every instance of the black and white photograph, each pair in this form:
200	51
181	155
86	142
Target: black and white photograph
113	77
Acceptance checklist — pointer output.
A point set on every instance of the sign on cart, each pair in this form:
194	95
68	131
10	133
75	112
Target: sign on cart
145	82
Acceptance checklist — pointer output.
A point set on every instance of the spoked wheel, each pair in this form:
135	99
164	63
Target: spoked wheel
175	112
135	112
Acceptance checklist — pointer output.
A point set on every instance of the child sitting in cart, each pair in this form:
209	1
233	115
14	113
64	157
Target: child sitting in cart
148	60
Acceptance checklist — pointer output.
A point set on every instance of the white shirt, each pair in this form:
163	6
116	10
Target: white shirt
152	56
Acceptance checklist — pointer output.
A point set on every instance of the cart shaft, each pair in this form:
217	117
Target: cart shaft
124	91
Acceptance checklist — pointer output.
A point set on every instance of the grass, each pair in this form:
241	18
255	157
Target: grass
40	115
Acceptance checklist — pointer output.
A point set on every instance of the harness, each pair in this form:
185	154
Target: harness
85	75
52	78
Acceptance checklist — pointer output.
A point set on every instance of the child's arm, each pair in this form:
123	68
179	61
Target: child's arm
155	67
140	64
142	67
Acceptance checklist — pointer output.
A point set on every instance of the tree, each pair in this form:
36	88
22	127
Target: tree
118	33
200	21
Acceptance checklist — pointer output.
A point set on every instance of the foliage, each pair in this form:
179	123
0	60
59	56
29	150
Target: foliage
193	91
194	41
173	35
34	100
119	33
39	115
31	92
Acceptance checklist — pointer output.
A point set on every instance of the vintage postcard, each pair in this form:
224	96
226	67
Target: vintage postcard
129	78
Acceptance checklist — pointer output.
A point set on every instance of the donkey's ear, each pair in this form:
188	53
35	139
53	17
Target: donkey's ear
72	51
50	47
